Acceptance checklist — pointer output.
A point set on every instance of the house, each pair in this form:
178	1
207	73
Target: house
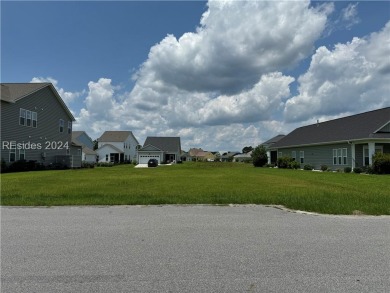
272	154
164	149
228	156
345	142
243	157
82	139
205	156
117	146
36	125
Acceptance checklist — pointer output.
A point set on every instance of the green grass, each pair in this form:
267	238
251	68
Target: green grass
200	183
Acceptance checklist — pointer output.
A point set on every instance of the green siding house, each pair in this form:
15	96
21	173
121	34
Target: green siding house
345	142
36	125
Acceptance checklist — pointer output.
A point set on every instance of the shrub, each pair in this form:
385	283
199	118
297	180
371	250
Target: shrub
381	163
105	164
294	165
259	156
347	170
308	167
368	169
284	162
87	165
324	168
357	170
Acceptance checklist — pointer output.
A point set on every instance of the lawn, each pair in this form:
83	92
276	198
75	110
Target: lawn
200	183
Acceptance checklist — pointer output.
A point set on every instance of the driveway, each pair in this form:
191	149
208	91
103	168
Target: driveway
191	249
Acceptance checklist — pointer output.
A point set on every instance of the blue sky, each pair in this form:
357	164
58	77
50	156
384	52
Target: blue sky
222	75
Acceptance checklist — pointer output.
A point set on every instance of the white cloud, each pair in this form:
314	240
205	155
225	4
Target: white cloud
349	15
68	97
350	78
236	43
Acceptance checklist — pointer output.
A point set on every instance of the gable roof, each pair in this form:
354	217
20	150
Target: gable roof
273	140
356	127
112	147
12	92
167	144
116	136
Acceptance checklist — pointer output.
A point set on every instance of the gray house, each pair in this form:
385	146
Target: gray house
345	142
163	149
82	139
36	125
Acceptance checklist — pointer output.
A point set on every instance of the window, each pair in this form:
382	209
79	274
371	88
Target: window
79	152
302	156
69	127
22	154
294	155
340	156
12	155
22	115
334	156
61	125
34	119
366	157
107	158
28	116
344	151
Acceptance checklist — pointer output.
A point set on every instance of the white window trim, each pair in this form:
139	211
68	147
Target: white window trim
36	119
12	151
301	157
365	148
22	152
294	155
61	125
22	116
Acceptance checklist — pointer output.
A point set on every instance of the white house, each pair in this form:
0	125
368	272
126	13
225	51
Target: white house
117	146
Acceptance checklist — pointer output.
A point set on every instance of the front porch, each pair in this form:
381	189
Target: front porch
362	153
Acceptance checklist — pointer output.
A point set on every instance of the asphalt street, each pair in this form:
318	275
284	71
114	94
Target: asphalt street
191	249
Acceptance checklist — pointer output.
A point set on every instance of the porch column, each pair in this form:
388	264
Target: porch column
269	157
353	156
371	151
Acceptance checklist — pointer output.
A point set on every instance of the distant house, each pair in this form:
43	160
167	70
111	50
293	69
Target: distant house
228	156
117	146
243	157
36	125
164	149
345	142
205	156
82	139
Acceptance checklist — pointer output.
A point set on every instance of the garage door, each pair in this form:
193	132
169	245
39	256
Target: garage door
145	158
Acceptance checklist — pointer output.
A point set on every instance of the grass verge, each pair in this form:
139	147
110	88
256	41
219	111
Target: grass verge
200	183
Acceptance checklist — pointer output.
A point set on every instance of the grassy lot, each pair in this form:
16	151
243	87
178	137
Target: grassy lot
200	183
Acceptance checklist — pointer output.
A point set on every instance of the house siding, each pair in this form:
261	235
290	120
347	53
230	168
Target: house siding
49	111
318	155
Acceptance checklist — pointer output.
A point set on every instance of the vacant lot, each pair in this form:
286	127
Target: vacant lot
201	183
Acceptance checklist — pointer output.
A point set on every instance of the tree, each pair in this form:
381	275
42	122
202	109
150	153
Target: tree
247	149
95	145
259	156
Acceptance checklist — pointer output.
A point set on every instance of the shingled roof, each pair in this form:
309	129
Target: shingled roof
115	136
366	125
167	144
12	92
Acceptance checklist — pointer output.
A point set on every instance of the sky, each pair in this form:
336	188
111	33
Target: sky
222	75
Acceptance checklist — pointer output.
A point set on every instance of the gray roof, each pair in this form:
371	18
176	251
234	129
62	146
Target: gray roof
12	92
167	144
355	127
111	146
273	140
88	151
115	136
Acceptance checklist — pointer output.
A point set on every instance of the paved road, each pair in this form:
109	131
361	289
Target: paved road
191	249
